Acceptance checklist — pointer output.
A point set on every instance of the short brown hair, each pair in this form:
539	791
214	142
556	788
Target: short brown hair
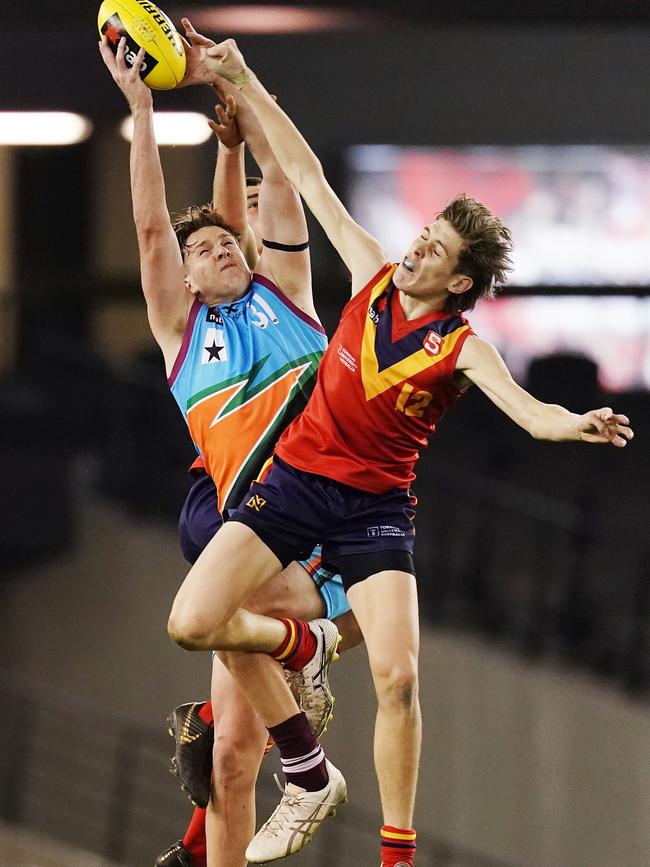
485	253
197	217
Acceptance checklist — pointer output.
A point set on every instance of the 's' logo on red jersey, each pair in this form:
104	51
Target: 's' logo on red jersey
432	343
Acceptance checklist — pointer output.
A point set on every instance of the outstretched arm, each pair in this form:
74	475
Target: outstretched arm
362	253
229	182
161	263
480	362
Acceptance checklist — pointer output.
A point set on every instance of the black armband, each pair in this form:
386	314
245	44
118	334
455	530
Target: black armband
287	248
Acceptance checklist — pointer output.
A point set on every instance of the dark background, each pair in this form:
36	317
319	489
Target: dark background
537	548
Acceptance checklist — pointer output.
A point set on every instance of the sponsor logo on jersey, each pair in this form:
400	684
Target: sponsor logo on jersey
214	347
432	343
346	358
214	316
256	502
233	311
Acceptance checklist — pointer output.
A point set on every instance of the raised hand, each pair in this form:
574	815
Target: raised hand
206	58
126	77
226	127
228	61
197	71
605	426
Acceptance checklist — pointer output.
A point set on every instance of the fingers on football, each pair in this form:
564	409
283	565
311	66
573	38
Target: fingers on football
139	60
106	52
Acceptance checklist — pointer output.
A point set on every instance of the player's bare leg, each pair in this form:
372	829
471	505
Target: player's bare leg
386	608
207	614
292	593
239	741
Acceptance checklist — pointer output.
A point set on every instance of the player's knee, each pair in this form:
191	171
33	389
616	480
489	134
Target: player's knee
235	760
397	684
192	630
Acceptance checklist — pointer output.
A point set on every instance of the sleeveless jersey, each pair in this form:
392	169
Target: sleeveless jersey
244	371
382	386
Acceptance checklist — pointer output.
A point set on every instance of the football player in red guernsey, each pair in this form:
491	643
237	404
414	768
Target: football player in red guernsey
342	471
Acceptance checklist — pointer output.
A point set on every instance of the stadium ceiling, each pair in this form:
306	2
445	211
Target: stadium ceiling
76	13
50	57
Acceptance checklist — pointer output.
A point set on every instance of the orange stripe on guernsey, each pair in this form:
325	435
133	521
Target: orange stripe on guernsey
394	835
376	382
230	437
292	641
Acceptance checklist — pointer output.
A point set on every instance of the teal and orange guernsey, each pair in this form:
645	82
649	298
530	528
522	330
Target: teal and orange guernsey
244	371
383	384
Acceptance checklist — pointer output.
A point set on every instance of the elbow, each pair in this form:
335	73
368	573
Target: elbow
533	422
552	423
150	233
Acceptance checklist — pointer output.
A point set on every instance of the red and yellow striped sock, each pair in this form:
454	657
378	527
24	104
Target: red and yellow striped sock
397	846
298	646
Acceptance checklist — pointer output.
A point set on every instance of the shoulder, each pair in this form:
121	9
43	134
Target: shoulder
475	352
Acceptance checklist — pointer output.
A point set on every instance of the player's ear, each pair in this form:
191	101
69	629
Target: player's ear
460	283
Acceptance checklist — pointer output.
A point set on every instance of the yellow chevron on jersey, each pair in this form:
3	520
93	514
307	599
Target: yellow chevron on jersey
376	381
382	387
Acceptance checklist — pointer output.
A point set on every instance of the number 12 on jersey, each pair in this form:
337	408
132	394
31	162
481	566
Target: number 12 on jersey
412	402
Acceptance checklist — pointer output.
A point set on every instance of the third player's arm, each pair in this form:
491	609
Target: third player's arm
480	362
281	217
229	181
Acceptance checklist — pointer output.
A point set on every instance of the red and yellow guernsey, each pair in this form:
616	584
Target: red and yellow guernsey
382	386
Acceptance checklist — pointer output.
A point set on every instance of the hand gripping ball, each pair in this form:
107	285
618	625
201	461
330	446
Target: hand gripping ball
145	26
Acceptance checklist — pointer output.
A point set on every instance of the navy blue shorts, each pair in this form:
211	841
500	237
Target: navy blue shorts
360	533
200	520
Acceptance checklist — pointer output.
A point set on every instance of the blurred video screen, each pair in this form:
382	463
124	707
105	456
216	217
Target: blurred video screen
579	215
612	331
580	218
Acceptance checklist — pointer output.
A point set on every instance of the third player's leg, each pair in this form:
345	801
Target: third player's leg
239	740
386	608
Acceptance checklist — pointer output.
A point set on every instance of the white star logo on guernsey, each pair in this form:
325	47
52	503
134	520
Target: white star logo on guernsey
214	347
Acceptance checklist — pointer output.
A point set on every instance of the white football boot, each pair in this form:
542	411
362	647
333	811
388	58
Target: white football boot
297	818
310	686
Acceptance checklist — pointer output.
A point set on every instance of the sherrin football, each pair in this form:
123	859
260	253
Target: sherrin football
146	26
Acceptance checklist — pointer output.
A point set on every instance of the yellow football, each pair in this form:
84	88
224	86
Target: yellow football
146	26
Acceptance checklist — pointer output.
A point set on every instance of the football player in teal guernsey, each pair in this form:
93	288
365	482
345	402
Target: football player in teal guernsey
241	352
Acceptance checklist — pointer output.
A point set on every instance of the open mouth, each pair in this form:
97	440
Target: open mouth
408	265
